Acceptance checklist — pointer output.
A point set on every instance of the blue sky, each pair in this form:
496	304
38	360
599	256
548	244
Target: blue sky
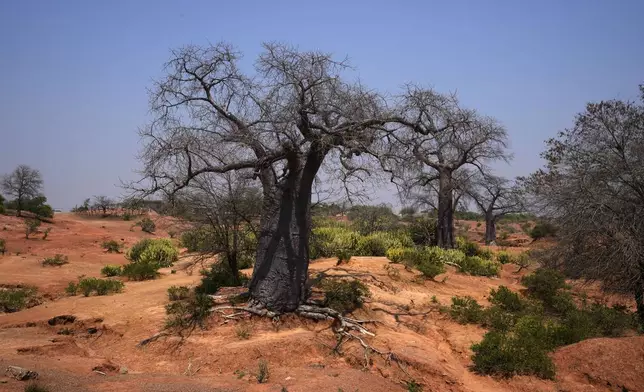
74	74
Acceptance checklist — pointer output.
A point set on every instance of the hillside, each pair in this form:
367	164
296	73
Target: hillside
417	341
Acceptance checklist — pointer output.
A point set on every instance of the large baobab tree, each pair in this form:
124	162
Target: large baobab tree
436	138
592	189
280	124
24	184
495	197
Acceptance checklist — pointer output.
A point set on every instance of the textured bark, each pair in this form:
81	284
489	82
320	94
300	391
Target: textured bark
639	299
490	228
445	226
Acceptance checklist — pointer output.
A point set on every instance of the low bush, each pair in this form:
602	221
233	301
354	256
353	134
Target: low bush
141	270
13	299
177	293
45	233
344	255
344	296
87	286
428	260
147	225
219	276
466	310
478	266
507	300
377	243
112	270
422	231
545	284
468	247
522	351
112	246
396	255
329	241
262	371
188	313
31	227
71	289
542	230
160	252
56	261
503	257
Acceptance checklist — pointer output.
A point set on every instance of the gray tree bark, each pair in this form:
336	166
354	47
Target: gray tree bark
445	226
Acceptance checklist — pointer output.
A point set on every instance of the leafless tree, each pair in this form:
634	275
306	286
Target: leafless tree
495	197
592	188
436	139
103	203
23	183
279	125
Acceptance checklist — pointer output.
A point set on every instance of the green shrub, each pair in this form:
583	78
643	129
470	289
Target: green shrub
147	225
87	286
522	261
611	321
503	257
466	310
486	254
507	300
112	270
522	351
195	240
422	231
112	246
542	230
71	289
344	296
262	371
377	243
397	254
45	233
544	284
219	276
428	260
344	255
159	251
56	261
13	299
498	319
31	226
468	247
477	266
188	313
141	270
177	293
329	241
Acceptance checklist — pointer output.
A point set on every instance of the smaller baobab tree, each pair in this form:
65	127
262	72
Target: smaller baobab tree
24	184
436	138
495	197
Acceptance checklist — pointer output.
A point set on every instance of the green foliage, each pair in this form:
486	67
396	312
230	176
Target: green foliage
466	310
428	260
112	270
397	254
542	230
141	270
523	351
467	215
13	299
188	313
344	296
219	275
112	246
31	226
71	289
377	243
262	371
159	251
196	240
147	225
503	257
507	300
413	386
344	255
329	241
243	332
56	261
422	231
478	266
545	284
87	286
177	293
36	205
45	233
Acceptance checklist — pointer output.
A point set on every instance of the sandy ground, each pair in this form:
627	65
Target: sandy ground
432	349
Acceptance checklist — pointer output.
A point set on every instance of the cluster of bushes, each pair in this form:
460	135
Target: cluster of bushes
112	246
542	230
87	286
56	261
523	330
330	241
36	205
112	270
178	293
219	275
13	299
146	257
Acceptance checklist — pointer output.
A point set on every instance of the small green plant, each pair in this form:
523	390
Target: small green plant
71	289
112	246
111	270
46	233
243	332
469	248
344	295
87	286
13	299
31	227
147	225
344	255
56	261
219	276
140	271
522	261
177	293
544	284
262	371
478	266
503	257
173	272
239	373
189	313
35	388
413	386
434	299
507	300
466	310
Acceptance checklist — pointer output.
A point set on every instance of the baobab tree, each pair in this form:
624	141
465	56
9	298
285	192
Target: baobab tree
24	184
592	189
279	125
436	138
495	197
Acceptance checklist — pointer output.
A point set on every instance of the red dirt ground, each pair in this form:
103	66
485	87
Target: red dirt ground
435	350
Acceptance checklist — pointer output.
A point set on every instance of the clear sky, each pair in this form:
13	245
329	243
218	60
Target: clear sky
74	74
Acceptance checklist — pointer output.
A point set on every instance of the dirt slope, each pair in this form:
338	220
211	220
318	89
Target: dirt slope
431	349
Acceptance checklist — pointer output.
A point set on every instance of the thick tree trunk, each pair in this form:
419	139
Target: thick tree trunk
281	267
490	228
445	226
